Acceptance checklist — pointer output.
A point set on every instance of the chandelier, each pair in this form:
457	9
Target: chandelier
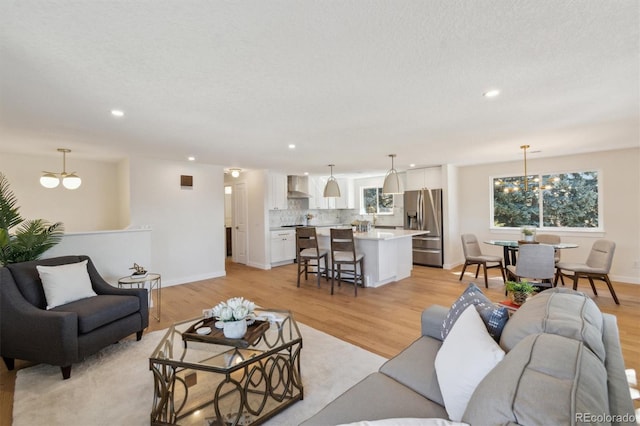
69	180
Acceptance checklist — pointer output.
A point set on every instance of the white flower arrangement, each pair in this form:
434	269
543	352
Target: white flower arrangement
234	309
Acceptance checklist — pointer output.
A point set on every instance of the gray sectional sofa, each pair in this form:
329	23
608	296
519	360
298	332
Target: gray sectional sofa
563	366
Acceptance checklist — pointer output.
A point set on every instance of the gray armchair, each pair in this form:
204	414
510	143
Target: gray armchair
69	333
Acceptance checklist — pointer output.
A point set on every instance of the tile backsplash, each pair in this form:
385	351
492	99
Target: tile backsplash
298	209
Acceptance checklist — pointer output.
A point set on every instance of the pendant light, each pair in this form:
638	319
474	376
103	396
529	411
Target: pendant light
391	180
69	180
331	189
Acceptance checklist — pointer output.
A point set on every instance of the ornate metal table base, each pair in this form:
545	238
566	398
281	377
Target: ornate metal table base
209	384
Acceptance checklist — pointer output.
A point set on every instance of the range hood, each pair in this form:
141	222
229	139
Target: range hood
298	187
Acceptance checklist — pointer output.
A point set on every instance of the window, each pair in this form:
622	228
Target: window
560	200
374	201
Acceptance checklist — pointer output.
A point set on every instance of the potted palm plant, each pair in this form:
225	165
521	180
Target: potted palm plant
520	291
20	239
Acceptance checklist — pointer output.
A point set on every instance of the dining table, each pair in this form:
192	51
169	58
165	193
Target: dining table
510	248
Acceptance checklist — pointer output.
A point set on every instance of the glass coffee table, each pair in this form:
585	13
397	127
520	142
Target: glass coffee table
198	382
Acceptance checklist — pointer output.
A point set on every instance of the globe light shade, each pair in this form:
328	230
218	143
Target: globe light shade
71	181
49	180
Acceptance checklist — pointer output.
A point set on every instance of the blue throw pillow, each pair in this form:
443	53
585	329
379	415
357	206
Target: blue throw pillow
494	317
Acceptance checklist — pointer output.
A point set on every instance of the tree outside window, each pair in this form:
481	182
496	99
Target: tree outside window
375	202
561	200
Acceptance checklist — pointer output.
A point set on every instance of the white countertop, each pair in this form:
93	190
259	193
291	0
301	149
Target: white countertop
378	234
335	225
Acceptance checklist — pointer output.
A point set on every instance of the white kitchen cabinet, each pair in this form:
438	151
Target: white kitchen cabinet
313	192
277	191
428	177
317	201
283	246
347	199
316	190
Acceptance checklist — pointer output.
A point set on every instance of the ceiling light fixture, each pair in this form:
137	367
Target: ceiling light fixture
69	180
235	172
117	113
391	180
491	93
331	189
292	146
191	158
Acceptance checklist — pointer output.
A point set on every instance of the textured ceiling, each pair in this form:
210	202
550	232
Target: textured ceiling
234	82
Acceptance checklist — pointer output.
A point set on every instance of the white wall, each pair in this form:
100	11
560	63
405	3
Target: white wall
124	193
93	206
185	227
188	240
450	212
112	252
620	172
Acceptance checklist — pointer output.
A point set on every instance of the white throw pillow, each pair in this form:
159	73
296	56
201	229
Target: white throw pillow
65	283
408	421
466	356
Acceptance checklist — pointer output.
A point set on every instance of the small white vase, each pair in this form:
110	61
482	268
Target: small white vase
235	329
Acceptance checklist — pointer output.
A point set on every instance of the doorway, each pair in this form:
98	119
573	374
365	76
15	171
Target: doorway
240	210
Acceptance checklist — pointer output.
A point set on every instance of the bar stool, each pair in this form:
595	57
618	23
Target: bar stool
343	252
307	251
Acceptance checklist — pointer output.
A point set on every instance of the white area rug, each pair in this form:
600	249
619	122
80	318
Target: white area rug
115	386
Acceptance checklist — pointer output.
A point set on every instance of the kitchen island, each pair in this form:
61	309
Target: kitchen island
387	253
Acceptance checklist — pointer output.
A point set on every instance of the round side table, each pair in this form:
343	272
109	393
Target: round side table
155	282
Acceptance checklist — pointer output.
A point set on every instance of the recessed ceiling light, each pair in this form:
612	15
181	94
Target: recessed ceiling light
306	173
292	146
191	158
117	113
491	93
412	165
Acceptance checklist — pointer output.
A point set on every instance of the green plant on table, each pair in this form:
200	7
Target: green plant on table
520	287
527	231
23	240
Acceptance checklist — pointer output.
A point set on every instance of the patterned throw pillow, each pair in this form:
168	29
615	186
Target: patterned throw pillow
493	317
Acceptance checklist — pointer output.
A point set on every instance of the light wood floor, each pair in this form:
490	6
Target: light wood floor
382	320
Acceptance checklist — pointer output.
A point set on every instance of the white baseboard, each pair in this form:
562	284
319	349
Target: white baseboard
192	278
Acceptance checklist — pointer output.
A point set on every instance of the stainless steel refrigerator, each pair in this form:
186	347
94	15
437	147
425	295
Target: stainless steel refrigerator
423	211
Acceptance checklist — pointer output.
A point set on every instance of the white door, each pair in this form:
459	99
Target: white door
240	213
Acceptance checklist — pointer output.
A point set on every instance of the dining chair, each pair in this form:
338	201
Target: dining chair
343	252
308	254
597	267
473	256
536	264
551	240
